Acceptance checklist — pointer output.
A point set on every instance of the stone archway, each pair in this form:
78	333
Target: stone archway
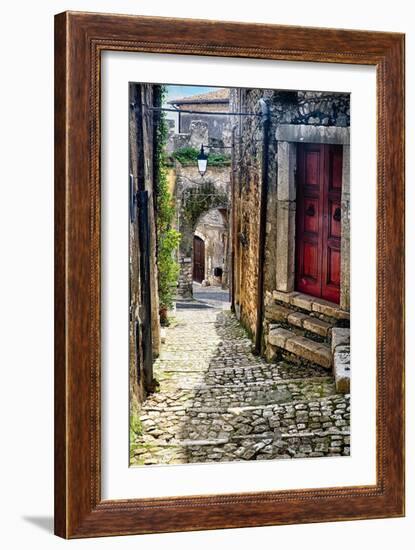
194	202
213	229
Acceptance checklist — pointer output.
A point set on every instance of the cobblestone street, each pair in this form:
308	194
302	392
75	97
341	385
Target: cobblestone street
219	402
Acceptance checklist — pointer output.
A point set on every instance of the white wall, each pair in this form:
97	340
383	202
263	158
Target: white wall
26	345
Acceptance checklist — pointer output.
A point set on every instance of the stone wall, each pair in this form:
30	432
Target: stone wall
212	228
217	125
141	144
324	114
215	135
246	175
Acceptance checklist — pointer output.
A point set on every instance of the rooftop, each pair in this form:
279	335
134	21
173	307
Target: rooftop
221	95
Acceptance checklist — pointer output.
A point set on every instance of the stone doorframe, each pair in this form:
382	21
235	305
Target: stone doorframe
287	136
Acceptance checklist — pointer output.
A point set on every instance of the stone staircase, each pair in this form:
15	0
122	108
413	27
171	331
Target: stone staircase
308	330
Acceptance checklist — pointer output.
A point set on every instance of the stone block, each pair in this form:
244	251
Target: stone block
285	232
199	133
329	309
286	171
275	312
339	337
268	298
316	325
324	307
302	301
341	368
270	353
309	350
285	297
297	318
312	134
278	336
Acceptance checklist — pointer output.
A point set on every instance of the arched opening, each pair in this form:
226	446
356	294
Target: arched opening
212	230
203	211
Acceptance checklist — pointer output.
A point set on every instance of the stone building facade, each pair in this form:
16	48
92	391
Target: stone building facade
195	195
217	127
303	237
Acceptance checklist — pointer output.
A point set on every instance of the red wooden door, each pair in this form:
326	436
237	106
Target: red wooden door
198	259
318	233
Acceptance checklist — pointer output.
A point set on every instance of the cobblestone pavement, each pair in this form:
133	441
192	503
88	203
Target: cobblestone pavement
219	402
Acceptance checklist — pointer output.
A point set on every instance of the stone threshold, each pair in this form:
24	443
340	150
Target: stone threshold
304	348
340	347
311	304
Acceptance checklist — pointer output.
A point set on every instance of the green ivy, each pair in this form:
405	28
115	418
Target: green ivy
187	156
201	200
168	239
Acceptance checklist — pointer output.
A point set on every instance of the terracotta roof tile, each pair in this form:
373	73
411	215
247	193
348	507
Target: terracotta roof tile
221	94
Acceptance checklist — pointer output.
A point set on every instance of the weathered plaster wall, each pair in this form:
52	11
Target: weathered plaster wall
197	129
217	125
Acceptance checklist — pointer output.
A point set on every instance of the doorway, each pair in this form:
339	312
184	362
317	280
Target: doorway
198	259
318	220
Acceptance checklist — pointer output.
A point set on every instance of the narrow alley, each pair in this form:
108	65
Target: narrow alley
219	402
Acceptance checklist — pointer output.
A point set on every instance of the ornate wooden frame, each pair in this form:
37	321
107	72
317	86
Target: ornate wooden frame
79	40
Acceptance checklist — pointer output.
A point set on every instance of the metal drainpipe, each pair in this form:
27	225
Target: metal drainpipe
262	224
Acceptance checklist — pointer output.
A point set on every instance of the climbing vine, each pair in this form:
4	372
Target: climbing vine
167	237
200	200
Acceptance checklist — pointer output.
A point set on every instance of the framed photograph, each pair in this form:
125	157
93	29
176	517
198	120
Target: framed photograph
229	275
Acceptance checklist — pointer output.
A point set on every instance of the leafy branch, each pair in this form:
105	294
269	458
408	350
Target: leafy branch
167	238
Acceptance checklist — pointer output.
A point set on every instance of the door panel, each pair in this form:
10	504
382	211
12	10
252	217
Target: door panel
319	220
312	171
333	264
198	259
335	167
334	219
311	261
311	215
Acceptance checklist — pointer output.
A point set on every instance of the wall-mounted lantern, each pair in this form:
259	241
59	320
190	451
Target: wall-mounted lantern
202	159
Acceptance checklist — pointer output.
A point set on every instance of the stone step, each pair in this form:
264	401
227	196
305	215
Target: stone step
220	409
310	304
254	385
278	313
319	434
304	348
